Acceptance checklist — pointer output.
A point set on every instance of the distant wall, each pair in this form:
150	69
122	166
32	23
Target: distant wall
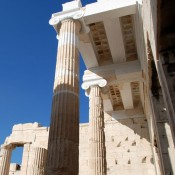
34	139
128	146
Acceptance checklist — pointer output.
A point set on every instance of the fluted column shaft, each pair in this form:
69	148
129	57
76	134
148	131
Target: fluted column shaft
97	159
63	143
26	158
38	161
5	156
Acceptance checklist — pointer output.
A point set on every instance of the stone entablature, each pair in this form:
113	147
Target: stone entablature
34	138
32	133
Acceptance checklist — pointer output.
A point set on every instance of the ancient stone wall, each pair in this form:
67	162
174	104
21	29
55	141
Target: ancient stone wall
34	139
128	147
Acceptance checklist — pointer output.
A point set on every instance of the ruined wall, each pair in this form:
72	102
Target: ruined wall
34	139
128	147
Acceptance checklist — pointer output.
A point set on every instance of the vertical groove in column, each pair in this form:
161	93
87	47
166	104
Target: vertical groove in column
97	156
64	129
38	161
5	156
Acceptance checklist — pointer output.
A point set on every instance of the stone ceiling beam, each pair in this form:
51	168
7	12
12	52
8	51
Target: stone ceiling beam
126	95
115	40
107	102
88	54
118	69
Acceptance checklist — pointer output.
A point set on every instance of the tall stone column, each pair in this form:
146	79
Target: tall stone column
63	143
5	156
38	161
26	158
97	149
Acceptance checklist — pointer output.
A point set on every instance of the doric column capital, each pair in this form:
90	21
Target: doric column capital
90	79
99	82
71	10
57	19
8	146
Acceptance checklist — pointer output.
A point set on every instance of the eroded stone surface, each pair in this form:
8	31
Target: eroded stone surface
34	139
128	148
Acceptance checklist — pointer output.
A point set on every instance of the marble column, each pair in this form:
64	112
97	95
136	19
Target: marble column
97	149
26	158
38	161
63	142
5	156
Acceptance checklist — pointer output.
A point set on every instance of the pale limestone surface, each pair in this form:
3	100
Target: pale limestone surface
64	128
128	147
34	138
5	155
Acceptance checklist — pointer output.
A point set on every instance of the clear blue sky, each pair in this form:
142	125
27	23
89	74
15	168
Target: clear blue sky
28	48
